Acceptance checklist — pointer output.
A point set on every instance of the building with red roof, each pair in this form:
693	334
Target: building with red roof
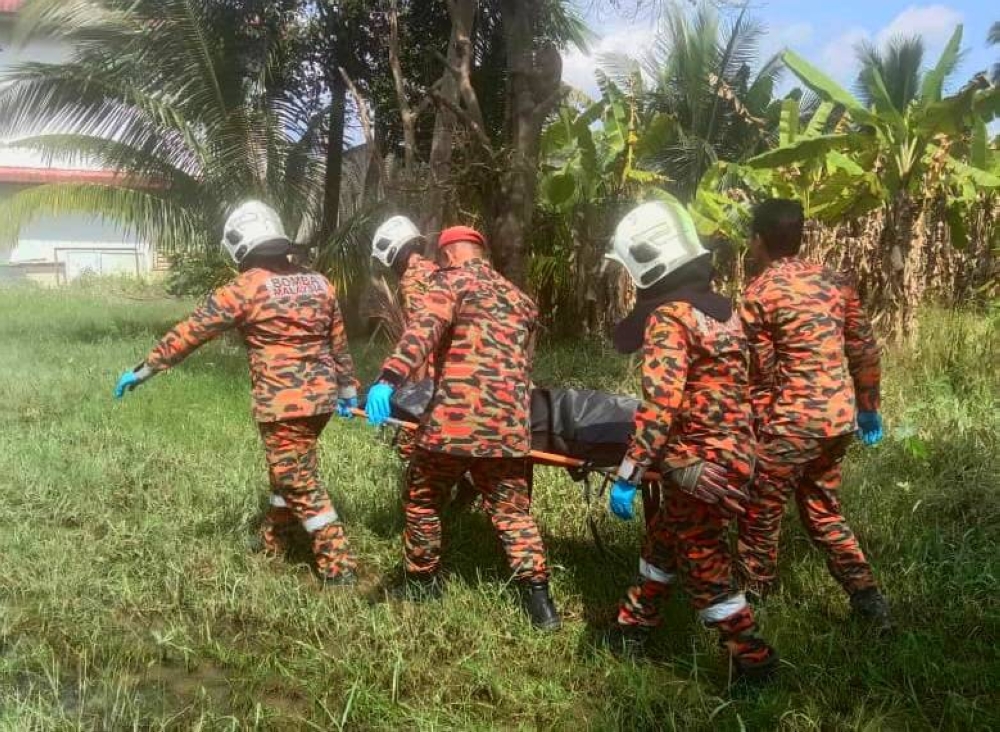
57	249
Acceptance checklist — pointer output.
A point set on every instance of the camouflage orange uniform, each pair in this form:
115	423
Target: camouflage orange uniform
814	359
479	326
694	381
299	365
414	286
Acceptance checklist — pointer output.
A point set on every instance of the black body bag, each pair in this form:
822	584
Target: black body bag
592	426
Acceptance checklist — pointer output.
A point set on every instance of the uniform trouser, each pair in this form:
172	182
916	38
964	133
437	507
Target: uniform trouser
504	485
809	468
297	494
687	539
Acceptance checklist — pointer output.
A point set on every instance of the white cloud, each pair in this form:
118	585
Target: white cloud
837	59
935	23
779	37
633	40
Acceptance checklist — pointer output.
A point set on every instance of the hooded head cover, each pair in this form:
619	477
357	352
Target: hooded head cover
659	246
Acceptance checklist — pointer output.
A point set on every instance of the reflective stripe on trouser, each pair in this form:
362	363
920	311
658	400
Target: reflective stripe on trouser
687	539
290	448
504	487
811	470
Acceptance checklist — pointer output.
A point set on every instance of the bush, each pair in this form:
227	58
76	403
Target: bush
195	275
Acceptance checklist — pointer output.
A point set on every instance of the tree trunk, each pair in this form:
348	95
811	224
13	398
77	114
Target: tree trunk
439	198
334	156
534	80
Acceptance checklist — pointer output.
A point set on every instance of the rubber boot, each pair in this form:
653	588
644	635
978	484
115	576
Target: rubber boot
871	606
537	603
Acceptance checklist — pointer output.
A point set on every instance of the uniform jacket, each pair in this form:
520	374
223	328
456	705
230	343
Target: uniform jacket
480	326
695	393
813	355
294	334
414	286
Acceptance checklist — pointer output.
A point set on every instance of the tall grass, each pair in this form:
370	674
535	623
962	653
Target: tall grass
129	600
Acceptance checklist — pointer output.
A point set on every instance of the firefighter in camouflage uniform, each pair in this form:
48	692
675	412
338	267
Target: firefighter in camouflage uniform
815	377
398	245
693	427
480	326
300	369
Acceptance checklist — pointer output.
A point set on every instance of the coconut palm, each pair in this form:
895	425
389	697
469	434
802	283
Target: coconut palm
706	74
185	108
900	66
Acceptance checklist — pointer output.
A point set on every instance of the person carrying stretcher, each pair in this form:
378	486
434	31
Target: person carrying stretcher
814	362
481	328
300	369
397	245
693	427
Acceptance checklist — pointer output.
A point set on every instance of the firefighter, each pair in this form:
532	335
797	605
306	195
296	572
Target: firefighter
398	245
814	366
480	326
692	427
300	369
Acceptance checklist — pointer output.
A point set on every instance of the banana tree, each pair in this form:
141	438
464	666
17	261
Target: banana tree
594	166
894	161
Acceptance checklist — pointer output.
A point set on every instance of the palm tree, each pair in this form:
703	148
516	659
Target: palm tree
184	107
706	75
900	65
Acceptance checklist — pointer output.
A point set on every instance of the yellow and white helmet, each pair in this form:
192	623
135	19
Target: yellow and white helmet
653	240
254	227
391	237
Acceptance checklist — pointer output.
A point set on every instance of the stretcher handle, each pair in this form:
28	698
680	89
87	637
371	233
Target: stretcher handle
545	458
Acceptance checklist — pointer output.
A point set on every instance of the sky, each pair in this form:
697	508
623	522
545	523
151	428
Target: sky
824	31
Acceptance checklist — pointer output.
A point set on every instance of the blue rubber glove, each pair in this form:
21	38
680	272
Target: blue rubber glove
870	428
622	498
128	381
344	407
378	406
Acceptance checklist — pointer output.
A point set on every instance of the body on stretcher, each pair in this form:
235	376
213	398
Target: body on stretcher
581	430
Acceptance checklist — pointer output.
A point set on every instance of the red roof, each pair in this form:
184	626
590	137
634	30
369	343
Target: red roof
59	175
10	6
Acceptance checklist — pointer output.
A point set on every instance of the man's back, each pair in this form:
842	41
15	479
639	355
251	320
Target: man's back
811	345
294	333
483	326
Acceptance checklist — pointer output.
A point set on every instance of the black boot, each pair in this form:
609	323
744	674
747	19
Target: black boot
627	641
539	606
870	605
417	588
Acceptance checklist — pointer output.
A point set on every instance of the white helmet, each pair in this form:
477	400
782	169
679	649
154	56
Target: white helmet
254	227
391	237
654	240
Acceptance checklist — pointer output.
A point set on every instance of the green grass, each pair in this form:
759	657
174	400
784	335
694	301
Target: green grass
128	598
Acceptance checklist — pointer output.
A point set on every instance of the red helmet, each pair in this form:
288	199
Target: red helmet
455	234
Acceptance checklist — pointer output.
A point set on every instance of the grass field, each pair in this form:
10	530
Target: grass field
129	600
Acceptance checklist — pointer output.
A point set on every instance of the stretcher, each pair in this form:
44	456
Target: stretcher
586	432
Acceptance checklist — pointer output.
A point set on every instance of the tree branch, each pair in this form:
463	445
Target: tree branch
466	117
366	124
406	114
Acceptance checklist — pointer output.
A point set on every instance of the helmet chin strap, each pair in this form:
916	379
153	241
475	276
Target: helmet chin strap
402	261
